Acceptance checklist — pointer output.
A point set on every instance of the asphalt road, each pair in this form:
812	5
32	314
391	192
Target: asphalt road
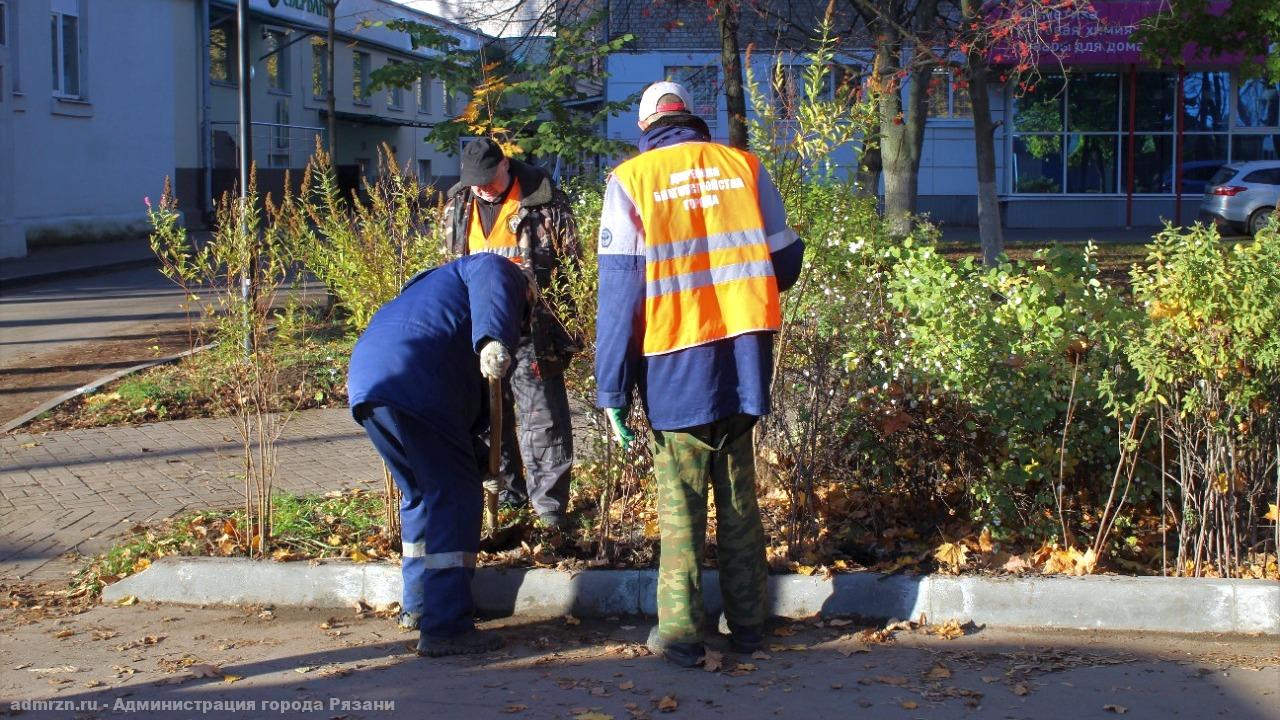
183	662
59	335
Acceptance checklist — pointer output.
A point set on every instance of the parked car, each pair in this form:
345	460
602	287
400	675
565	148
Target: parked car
1242	196
1195	177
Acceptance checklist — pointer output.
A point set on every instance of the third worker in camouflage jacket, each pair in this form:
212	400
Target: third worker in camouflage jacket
513	209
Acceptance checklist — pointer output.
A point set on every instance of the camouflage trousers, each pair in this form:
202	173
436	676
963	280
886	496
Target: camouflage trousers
720	454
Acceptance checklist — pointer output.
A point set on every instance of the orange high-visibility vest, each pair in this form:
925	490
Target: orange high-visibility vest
708	271
502	238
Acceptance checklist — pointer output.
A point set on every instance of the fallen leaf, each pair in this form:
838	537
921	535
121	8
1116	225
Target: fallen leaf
894	680
668	703
593	716
571	620
1015	564
303	670
836	686
743	668
127	600
909	704
990	679
510	709
1120	709
761	655
951	556
1021	689
626	685
228	679
599	691
712	661
839	622
938	672
985	543
68	632
204	670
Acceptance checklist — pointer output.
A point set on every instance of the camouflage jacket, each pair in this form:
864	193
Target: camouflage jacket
547	233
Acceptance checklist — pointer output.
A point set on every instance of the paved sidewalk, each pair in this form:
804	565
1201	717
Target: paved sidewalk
45	263
79	489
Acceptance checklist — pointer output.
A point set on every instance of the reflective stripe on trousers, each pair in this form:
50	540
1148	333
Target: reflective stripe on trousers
438	561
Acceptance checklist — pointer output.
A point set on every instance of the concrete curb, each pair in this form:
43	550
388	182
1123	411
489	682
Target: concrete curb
27	417
1186	605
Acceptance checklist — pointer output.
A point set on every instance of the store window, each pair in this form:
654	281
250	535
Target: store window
702	82
360	77
947	96
65	41
1206	101
1265	146
277	61
1257	104
1039	121
224	51
319	69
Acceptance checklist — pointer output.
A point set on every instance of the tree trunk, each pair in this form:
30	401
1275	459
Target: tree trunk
870	164
902	123
990	227
731	59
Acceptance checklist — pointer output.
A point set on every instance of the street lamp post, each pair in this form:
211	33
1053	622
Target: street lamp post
245	74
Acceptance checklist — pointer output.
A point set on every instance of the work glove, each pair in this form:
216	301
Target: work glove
621	432
494	360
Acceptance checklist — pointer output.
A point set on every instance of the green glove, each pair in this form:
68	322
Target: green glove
623	434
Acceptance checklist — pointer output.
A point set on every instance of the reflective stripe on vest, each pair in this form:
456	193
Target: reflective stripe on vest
708	271
502	239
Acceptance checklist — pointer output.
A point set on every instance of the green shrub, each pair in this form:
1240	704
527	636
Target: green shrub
1209	358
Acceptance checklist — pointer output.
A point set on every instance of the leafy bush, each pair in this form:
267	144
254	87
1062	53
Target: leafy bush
364	248
1209	358
1027	352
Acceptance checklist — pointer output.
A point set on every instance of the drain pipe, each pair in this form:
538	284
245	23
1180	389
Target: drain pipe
206	130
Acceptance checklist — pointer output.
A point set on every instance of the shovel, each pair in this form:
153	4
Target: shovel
492	481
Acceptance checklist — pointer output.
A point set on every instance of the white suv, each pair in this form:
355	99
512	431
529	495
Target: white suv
1242	196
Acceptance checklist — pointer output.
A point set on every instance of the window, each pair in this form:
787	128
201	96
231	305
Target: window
1263	177
450	101
280	133
947	96
424	173
1257	104
4	23
360	77
424	95
319	69
224	52
395	93
277	61
1255	147
64	34
702	82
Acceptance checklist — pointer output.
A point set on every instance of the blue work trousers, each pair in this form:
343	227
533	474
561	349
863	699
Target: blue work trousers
440	482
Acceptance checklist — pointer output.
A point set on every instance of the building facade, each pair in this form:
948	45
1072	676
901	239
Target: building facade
96	113
1109	142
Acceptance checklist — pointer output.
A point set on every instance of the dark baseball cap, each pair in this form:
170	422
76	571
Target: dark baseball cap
480	160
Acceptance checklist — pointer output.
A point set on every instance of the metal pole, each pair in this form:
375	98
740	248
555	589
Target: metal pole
1133	112
1177	173
244	71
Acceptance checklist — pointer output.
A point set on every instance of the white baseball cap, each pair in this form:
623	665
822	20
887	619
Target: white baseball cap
649	101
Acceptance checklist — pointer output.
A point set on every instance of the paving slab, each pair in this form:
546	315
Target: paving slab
122	476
